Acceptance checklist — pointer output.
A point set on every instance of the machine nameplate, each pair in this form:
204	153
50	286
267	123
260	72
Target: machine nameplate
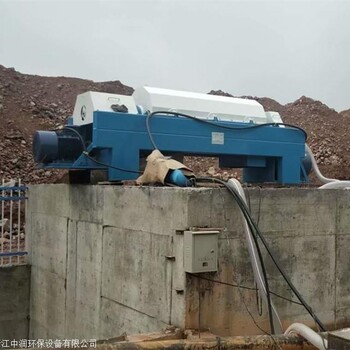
217	138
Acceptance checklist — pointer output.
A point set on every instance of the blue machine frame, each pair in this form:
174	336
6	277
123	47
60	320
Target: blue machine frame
267	153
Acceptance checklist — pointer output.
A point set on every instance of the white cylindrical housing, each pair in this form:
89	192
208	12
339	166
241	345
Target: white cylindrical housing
200	105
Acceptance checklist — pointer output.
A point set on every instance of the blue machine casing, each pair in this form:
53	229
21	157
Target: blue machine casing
267	153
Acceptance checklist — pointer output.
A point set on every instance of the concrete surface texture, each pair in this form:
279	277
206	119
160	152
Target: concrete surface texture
108	260
14	303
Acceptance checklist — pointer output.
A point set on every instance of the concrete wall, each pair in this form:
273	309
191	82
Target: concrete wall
14	302
101	259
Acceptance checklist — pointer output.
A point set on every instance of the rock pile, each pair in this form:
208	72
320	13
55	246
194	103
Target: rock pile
29	103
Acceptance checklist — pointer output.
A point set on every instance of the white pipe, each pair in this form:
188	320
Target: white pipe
315	168
336	184
307	333
328	183
254	258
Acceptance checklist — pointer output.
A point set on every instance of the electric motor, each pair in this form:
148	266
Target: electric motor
60	145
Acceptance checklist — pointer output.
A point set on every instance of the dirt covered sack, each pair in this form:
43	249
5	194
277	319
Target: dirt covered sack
158	166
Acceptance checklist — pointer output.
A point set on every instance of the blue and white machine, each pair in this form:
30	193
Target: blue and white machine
110	132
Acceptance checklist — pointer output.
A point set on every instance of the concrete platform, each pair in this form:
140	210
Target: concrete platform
101	267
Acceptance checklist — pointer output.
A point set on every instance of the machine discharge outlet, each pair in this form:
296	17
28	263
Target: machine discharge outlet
200	251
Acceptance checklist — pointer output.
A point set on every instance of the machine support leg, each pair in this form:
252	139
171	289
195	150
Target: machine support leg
289	170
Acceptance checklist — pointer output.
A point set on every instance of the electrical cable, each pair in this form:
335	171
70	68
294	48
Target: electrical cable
286	278
208	122
242	298
254	228
261	270
268	296
266	283
221	282
257	295
86	154
286	299
78	134
242	287
258	300
254	321
264	277
149	131
256	261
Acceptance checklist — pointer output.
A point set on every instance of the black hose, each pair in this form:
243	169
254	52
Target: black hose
149	130
86	154
204	121
254	228
268	296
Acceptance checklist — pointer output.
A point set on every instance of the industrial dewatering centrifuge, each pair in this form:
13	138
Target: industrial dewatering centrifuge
113	132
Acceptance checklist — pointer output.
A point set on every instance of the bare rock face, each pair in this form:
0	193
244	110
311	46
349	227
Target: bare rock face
31	102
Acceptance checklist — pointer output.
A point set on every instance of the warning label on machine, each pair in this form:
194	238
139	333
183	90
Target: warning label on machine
217	138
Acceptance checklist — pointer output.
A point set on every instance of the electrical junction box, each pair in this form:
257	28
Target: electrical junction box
201	251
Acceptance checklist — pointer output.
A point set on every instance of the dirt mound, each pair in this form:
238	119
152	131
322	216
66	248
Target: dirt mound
30	102
328	133
345	113
268	103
